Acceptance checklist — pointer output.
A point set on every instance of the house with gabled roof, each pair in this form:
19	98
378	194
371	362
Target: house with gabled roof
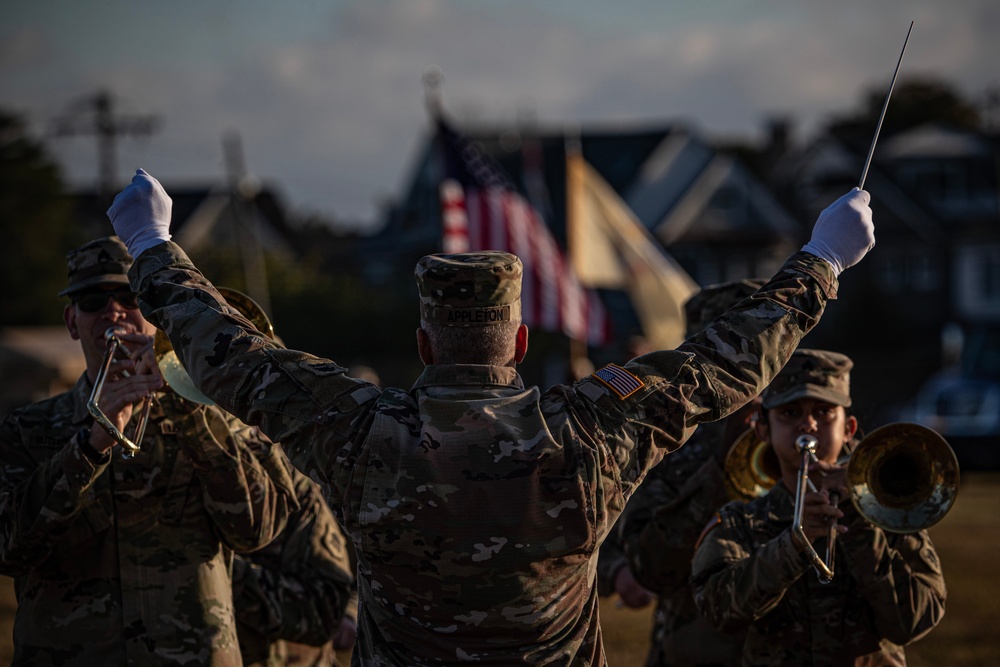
205	215
718	220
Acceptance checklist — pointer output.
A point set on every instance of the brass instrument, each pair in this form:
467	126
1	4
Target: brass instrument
174	373
751	467
129	446
806	445
902	477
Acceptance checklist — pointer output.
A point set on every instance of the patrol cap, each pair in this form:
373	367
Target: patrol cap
713	300
103	261
469	289
816	374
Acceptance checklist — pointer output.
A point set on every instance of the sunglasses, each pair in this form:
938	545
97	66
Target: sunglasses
95	300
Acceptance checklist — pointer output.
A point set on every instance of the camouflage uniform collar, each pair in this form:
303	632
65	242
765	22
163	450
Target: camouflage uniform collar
471	375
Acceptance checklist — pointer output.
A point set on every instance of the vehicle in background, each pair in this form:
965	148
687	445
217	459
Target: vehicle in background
962	402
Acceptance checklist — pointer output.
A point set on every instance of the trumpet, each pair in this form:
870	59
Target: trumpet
902	478
173	371
130	446
806	444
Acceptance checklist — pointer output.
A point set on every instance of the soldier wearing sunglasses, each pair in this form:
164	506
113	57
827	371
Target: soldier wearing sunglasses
129	560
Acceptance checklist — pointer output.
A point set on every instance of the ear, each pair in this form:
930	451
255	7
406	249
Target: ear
850	428
424	347
521	343
69	317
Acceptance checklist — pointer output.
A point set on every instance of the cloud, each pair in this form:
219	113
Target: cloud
328	98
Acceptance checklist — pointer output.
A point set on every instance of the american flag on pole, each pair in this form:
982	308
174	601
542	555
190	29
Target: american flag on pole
482	210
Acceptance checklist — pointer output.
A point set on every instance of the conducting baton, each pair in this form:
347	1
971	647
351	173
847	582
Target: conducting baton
885	105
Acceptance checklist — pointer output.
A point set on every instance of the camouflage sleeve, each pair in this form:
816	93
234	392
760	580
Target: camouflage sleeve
734	584
309	404
899	575
39	501
298	587
739	353
664	519
245	482
657	400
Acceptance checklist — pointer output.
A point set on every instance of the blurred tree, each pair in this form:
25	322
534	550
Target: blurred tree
36	228
914	102
325	308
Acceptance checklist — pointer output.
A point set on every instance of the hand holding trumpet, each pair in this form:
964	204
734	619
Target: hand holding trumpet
129	375
820	504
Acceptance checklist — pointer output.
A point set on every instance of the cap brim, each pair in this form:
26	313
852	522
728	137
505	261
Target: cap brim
106	279
808	391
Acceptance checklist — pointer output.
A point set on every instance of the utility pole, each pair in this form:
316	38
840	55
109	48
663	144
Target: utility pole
97	117
242	191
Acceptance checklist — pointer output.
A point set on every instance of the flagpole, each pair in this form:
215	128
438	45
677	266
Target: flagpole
432	79
572	147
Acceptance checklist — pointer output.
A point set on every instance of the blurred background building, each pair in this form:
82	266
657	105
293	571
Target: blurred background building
920	316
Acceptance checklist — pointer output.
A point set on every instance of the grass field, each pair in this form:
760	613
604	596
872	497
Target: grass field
968	543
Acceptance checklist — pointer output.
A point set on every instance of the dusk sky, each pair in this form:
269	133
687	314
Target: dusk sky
328	96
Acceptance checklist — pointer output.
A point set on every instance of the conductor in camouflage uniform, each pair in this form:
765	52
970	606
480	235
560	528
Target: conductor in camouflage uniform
751	571
478	505
128	561
664	518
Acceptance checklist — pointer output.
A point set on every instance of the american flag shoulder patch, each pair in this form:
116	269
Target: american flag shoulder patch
619	380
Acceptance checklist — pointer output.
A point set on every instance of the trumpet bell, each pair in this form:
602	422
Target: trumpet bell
903	477
751	467
173	371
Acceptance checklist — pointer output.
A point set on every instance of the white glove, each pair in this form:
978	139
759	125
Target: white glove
141	213
844	231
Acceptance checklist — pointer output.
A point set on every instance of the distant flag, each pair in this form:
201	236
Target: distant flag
609	248
482	210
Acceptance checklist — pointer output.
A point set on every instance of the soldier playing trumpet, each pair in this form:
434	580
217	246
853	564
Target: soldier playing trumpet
752	572
128	560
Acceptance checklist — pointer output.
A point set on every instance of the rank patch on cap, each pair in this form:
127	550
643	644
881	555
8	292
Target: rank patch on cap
619	380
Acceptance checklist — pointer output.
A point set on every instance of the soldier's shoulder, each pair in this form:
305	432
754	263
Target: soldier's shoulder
731	516
736	513
393	397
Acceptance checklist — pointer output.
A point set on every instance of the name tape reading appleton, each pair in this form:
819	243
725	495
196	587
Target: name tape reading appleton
469	316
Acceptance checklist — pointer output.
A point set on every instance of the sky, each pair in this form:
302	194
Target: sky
328	96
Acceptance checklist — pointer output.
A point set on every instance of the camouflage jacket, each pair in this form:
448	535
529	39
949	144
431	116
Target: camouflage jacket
658	533
477	506
296	588
129	562
888	589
